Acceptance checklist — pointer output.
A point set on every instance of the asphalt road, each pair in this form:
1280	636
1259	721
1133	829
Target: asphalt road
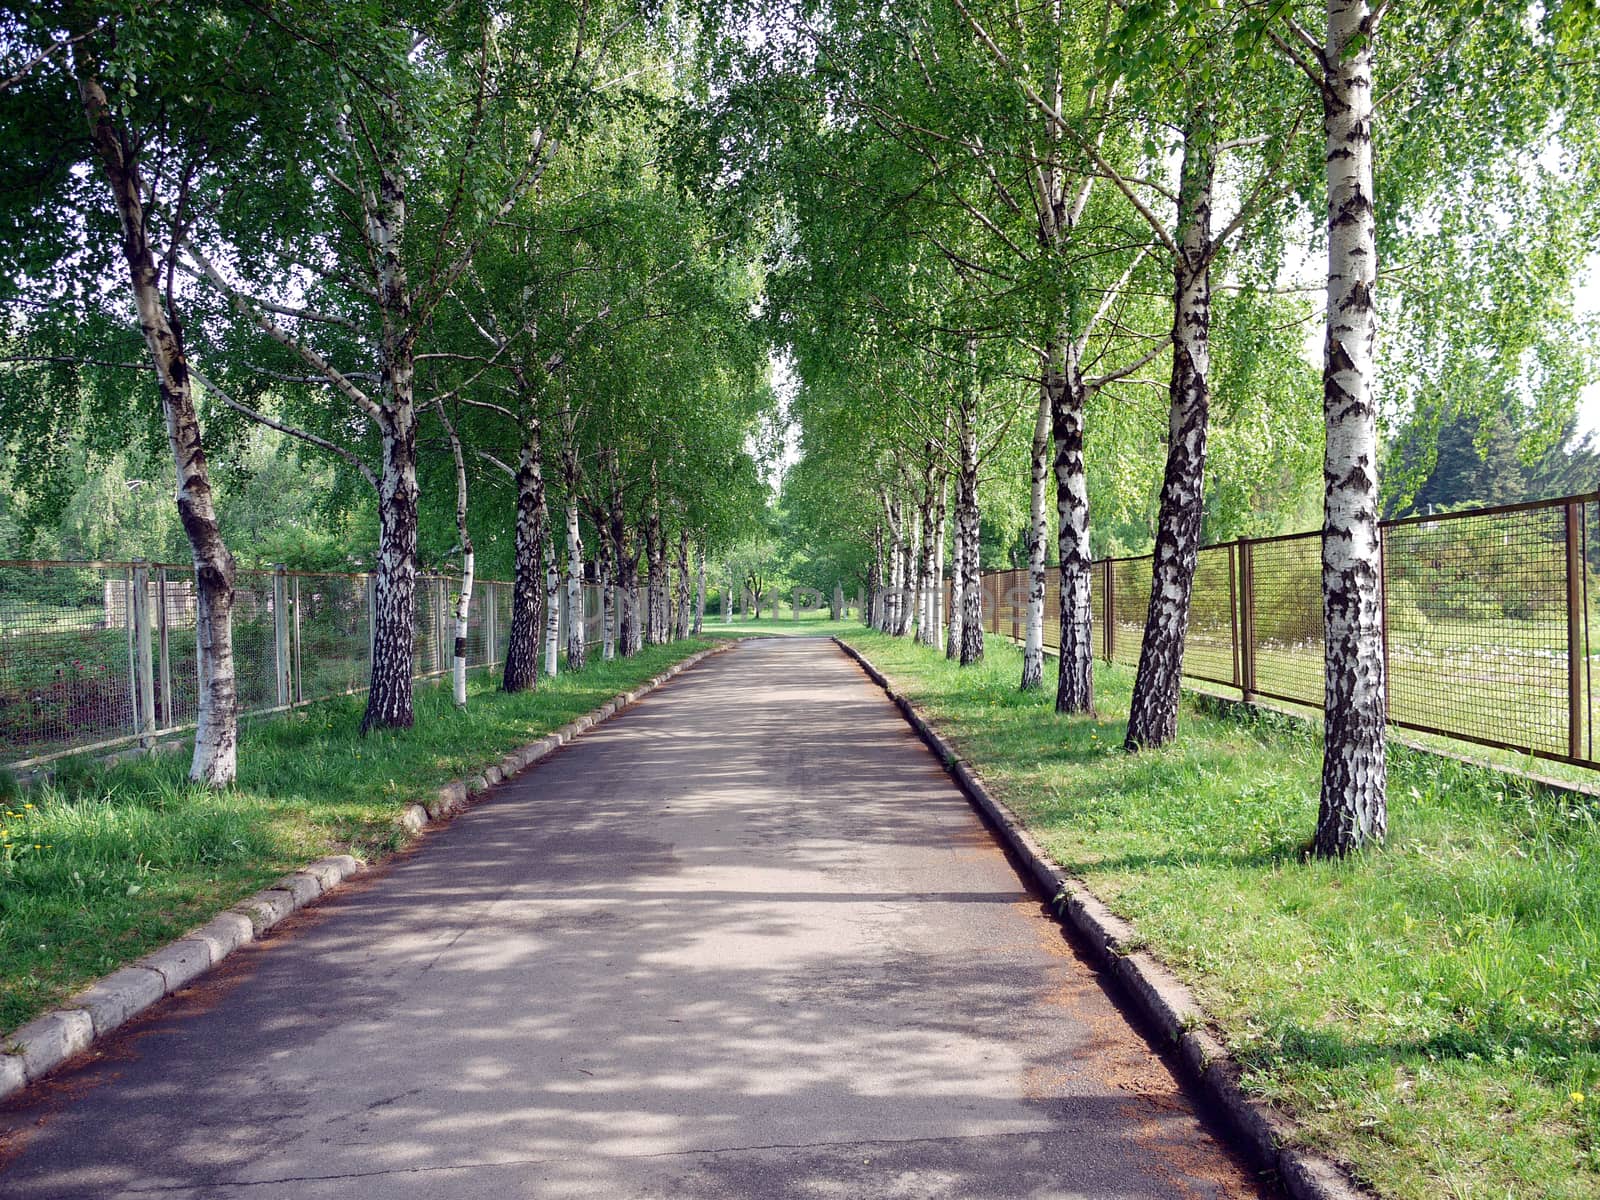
744	940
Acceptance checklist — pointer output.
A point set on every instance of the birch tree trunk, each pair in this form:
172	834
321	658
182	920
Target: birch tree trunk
463	605
655	573
463	609
627	563
216	738
891	512
1354	807
627	601
1075	678
1153	715
1038	523
872	613
636	599
897	565
680	624
577	635
608	589
552	604
967	517
910	570
572	481
521	672
939	515
958	580
389	696
927	630
700	592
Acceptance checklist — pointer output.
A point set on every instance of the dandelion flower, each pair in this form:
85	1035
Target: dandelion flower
1577	1097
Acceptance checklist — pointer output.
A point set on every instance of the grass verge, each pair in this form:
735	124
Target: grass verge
108	863
1429	1012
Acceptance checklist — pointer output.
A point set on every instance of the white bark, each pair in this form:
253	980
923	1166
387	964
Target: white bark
1353	809
608	590
216	739
1153	711
913	572
700	592
938	556
893	595
958	581
521	670
463	605
1075	677
927	618
1038	531
576	633
967	517
552	604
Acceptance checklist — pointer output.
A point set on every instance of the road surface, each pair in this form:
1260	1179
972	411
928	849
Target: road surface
744	940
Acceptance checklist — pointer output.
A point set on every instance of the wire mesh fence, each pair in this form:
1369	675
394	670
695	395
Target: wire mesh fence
99	654
1486	620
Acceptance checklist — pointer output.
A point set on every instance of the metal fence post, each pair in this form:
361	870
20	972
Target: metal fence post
294	607
1016	609
281	650
1233	609
1247	620
165	649
1383	613
372	619
145	709
1576	659
489	631
441	605
133	661
1111	610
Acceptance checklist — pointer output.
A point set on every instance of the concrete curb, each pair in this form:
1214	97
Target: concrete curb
1264	1134
46	1042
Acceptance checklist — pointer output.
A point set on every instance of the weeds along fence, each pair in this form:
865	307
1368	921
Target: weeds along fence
96	655
1486	622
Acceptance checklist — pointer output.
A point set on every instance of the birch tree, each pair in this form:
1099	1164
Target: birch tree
438	125
118	123
1370	60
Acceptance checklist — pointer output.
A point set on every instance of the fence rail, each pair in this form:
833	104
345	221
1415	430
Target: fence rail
95	655
1486	622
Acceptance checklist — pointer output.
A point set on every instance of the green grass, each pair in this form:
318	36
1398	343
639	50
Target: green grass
107	863
1428	1012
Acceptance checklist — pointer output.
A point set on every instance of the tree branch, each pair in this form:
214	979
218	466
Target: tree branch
1123	372
245	306
304	435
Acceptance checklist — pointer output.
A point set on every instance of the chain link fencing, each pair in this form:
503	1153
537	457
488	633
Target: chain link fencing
1486	620
96	655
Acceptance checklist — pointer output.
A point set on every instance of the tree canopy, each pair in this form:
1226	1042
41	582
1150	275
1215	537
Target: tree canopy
545	290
